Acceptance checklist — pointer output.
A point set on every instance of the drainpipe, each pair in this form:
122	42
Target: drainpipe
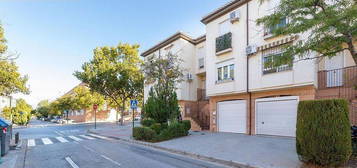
248	92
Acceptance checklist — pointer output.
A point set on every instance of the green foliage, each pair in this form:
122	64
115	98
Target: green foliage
162	106
20	114
84	98
323	132
144	133
147	122
332	25
43	109
3	46
187	124
11	81
156	127
115	73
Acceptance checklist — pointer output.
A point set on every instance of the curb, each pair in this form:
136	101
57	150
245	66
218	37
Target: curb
197	156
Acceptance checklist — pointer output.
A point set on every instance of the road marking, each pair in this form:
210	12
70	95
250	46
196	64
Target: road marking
31	142
98	136
111	160
90	149
70	161
61	139
75	138
46	141
58	133
86	137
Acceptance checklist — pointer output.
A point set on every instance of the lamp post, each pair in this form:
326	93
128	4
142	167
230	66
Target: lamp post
95	107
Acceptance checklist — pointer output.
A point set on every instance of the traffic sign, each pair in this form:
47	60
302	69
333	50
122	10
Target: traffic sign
95	106
133	104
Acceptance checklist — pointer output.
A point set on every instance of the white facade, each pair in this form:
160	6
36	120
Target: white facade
189	53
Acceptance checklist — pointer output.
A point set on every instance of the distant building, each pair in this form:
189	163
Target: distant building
87	115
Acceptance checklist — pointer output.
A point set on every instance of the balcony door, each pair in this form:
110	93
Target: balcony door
333	66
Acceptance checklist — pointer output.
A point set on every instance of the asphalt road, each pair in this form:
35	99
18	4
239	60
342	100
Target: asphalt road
54	146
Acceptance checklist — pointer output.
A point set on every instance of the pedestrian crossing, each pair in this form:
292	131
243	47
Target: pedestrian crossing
54	140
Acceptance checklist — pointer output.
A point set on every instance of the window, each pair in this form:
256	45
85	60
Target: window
224	42
270	57
201	63
219	74
282	23
225	73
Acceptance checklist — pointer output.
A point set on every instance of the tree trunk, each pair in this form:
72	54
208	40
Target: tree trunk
122	113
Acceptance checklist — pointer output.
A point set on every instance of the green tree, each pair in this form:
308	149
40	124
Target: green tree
332	26
115	73
20	114
11	81
85	98
43	109
163	74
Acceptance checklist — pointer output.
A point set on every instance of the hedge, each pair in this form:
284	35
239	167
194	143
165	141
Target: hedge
323	132
144	133
147	122
161	132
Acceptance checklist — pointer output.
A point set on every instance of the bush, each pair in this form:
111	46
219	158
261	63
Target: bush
144	133
156	127
187	124
323	132
147	122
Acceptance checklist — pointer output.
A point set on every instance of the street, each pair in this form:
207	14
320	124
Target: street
59	146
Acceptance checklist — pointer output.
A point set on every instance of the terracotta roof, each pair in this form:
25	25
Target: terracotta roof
223	10
171	39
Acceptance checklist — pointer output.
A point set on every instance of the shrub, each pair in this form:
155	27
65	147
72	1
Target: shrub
144	133
156	127
147	122
323	132
187	124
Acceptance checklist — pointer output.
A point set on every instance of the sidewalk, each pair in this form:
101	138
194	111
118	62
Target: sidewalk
230	149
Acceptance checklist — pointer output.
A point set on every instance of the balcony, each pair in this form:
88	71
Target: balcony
201	95
224	43
339	83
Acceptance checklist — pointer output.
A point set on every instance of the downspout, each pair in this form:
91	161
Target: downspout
248	92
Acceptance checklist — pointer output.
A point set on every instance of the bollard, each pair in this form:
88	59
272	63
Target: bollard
17	136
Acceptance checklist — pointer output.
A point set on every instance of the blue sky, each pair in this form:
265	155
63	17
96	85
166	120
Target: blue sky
54	37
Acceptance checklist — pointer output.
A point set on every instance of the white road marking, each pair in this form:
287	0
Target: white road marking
98	136
86	137
58	133
90	149
46	141
61	139
75	138
111	160
70	161
31	142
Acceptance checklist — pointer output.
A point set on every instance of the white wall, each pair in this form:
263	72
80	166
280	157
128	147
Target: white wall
186	51
303	72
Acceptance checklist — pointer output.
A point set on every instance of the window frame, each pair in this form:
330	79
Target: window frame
225	73
270	54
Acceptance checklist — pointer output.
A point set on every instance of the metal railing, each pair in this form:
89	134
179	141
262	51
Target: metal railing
224	42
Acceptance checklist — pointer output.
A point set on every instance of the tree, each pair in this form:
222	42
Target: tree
332	26
20	114
43	109
84	98
115	73
164	74
11	81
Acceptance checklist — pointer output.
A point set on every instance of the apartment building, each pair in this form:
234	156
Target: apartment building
247	95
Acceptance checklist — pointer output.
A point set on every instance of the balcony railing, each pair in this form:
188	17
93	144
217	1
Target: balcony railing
201	94
224	42
344	77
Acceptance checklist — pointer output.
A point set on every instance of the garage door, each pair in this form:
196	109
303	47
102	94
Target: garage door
232	116
276	116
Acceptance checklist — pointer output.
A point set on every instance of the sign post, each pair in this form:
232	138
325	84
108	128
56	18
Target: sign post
95	107
133	106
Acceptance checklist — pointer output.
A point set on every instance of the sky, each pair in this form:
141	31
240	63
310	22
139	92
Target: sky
55	37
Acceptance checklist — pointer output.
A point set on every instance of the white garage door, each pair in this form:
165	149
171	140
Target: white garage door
276	116
232	116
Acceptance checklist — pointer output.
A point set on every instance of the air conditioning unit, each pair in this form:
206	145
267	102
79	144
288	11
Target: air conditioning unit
189	77
251	49
234	16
